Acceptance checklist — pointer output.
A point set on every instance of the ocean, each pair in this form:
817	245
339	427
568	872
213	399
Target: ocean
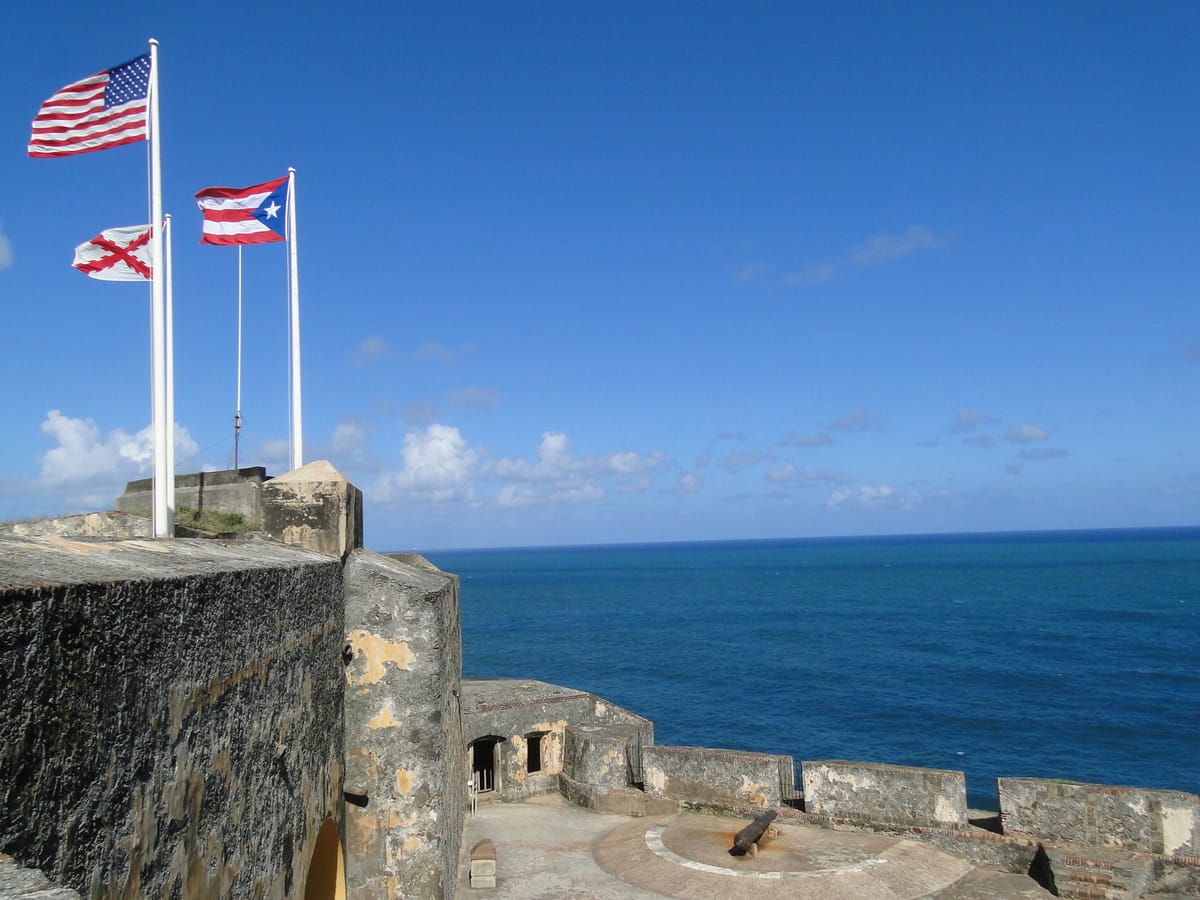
1069	655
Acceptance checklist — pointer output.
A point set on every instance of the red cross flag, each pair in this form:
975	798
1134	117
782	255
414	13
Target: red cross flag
116	254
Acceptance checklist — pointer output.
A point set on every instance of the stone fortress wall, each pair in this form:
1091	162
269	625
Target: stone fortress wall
283	715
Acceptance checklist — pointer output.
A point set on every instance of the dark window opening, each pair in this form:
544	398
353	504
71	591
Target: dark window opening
533	744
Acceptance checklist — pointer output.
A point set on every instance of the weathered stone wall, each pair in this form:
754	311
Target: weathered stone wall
601	756
229	491
876	792
698	776
404	734
171	714
515	709
110	524
314	507
1101	815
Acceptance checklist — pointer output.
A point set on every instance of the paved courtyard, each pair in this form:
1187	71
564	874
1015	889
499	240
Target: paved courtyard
546	848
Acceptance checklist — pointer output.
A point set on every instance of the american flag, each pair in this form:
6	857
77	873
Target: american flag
106	110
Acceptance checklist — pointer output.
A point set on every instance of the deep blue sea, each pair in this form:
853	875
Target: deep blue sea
1051	654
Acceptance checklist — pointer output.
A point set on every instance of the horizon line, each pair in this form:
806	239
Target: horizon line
887	536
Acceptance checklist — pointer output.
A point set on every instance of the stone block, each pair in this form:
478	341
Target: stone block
314	507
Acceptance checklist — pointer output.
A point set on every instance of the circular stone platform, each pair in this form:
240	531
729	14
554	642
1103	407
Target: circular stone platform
688	855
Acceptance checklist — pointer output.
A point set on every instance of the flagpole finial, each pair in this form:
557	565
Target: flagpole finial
153	42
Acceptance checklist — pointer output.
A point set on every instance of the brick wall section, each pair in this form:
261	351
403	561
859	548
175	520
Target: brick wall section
1166	822
877	792
404	738
171	719
724	779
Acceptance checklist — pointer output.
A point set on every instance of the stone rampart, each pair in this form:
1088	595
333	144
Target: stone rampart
1139	819
171	718
404	728
723	779
228	491
876	792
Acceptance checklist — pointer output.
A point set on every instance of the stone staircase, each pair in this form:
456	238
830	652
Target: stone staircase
1092	873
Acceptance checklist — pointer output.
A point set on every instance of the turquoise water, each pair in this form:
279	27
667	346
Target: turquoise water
1059	654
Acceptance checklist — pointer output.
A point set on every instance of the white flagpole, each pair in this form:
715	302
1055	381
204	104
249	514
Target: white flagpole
297	442
170	379
164	525
237	412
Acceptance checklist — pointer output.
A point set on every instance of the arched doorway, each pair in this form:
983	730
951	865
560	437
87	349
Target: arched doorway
326	875
484	758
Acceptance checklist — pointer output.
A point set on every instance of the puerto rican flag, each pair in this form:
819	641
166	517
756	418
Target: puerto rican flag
116	254
249	215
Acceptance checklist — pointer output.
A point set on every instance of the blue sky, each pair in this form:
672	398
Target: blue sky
585	273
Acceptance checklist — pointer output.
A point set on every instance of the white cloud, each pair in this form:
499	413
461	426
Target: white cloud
83	454
474	398
868	497
983	441
876	250
6	251
968	420
438	466
371	349
420	411
437	352
857	420
821	439
349	444
752	272
790	474
736	460
275	454
1043	453
556	463
688	483
1024	434
890	247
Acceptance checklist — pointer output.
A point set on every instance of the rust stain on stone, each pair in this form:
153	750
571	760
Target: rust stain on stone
385	718
376	651
405	780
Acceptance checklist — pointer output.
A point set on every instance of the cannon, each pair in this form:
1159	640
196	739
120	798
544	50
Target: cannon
746	840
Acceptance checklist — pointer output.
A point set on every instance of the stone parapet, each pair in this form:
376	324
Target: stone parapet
722	779
885	793
1166	822
228	491
171	717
